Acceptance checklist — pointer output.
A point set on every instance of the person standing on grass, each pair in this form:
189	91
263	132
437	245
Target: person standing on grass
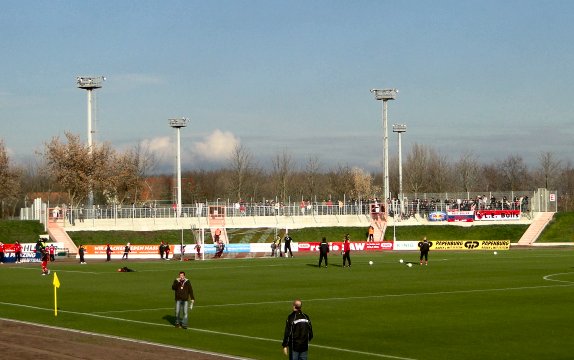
127	250
109	252
346	251
167	249
183	293
52	250
323	251
45	258
1	252
298	332
287	240
424	246
17	252
81	251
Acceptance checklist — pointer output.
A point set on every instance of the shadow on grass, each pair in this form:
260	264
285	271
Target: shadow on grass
170	319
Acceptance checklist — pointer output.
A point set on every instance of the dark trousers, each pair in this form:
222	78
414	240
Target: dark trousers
288	248
347	257
321	257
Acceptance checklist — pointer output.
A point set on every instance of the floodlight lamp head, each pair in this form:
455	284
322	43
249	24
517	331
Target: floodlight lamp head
178	123
385	94
89	82
399	128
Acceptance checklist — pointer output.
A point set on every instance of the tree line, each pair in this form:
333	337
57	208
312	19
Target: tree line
66	171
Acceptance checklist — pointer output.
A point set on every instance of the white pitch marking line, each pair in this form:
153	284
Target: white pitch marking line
548	277
353	297
208	332
125	339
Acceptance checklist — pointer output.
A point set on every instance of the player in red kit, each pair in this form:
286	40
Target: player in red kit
45	258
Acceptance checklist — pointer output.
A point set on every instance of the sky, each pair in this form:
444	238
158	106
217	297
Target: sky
494	78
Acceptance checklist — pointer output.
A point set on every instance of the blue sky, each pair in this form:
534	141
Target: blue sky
492	77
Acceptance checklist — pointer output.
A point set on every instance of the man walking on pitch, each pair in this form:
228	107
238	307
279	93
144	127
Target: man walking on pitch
323	251
183	293
424	246
298	333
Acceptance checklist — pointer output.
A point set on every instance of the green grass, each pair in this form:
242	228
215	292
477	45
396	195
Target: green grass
464	305
266	235
560	229
22	231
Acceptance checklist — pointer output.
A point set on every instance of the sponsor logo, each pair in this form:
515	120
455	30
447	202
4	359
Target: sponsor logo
471	244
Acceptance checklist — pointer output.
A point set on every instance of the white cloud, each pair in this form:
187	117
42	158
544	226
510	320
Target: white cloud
216	146
160	146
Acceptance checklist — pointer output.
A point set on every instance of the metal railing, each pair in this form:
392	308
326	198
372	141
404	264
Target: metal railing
414	204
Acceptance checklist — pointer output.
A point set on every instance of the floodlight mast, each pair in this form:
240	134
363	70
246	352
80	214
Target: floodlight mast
178	124
385	95
90	83
399	129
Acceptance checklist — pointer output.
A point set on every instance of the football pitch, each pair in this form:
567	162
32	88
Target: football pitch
464	305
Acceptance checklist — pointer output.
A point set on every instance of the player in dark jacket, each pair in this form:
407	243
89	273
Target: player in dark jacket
298	333
424	246
323	251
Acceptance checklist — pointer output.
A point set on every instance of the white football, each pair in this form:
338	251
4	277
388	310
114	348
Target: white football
401	261
410	265
370	263
495	253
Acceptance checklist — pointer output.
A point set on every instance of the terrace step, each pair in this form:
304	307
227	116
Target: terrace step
535	229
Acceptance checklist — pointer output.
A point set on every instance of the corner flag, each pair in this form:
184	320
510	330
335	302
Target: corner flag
56	284
56	281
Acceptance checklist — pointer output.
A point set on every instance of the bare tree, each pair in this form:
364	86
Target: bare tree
10	177
312	174
341	181
467	171
548	170
241	166
283	167
514	172
416	168
438	171
76	169
363	187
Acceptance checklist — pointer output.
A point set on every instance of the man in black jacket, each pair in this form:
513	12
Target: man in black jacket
424	247
323	251
298	333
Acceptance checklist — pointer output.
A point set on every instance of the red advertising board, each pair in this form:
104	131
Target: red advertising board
355	246
497	215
